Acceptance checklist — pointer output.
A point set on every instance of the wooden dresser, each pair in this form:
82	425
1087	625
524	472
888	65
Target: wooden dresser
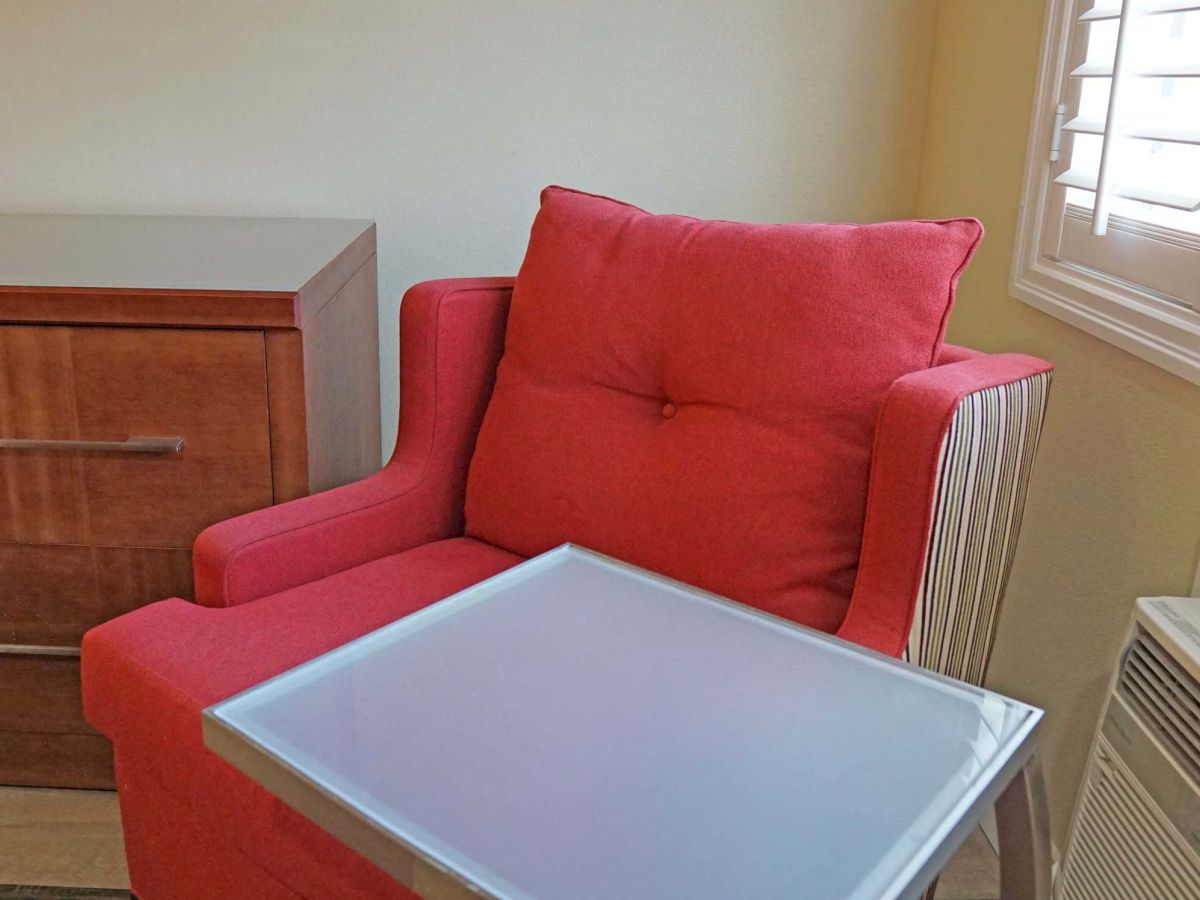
157	374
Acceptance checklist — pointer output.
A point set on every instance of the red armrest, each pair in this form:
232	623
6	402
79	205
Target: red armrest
912	485
451	338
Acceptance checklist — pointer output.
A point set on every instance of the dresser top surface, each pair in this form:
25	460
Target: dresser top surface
205	253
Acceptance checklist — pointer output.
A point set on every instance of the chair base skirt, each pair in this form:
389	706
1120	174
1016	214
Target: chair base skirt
173	855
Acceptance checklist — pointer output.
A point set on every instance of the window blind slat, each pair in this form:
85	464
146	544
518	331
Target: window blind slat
1189	69
1086	181
1158	70
1171	70
1093	70
1143	132
1155	7
1085	126
1111	9
1102	9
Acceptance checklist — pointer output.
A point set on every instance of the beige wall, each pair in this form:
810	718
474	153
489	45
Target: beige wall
1114	508
442	120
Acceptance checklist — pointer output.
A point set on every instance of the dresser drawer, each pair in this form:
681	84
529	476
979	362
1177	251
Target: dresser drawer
40	695
89	390
51	594
44	739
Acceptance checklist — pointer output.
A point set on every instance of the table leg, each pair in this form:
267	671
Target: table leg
1023	820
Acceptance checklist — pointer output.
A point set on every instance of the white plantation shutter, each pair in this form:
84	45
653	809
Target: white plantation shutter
1109	233
1124	197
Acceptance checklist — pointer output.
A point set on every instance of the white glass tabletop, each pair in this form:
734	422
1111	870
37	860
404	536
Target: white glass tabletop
579	728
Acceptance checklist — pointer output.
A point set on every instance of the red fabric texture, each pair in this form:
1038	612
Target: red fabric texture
173	855
700	398
914	420
952	353
451	335
148	675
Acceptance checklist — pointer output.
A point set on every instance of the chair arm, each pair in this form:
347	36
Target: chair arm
954	447
451	338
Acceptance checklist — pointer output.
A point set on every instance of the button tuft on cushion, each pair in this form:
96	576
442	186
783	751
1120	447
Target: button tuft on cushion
669	409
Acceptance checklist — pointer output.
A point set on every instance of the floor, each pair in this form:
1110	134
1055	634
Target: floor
72	840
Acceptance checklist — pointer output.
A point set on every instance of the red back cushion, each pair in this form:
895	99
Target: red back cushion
700	398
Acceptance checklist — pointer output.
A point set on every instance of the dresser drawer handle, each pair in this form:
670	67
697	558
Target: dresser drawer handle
129	445
37	650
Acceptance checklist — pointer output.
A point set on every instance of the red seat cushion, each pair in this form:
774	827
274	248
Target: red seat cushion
150	673
700	397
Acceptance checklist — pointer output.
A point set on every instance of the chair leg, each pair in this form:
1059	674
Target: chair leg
1023	821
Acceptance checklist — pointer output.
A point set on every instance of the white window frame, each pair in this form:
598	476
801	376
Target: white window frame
1134	319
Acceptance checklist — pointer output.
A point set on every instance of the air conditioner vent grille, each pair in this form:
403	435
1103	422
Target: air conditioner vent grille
1166	698
1123	847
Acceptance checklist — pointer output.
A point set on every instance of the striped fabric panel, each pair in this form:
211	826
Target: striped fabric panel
984	466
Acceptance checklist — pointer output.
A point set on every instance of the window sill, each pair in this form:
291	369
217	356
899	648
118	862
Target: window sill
1152	329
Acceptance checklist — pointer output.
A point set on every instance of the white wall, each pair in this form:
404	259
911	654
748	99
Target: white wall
442	120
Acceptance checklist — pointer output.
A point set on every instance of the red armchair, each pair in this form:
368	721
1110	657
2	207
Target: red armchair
953	446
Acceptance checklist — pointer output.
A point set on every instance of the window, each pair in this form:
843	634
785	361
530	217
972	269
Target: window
1109	238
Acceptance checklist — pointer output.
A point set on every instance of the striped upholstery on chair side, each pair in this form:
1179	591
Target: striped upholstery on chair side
984	466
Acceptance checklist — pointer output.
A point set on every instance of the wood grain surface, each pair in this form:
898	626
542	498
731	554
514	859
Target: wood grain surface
254	340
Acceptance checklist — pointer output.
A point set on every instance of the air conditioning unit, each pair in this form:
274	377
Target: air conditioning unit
1135	834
